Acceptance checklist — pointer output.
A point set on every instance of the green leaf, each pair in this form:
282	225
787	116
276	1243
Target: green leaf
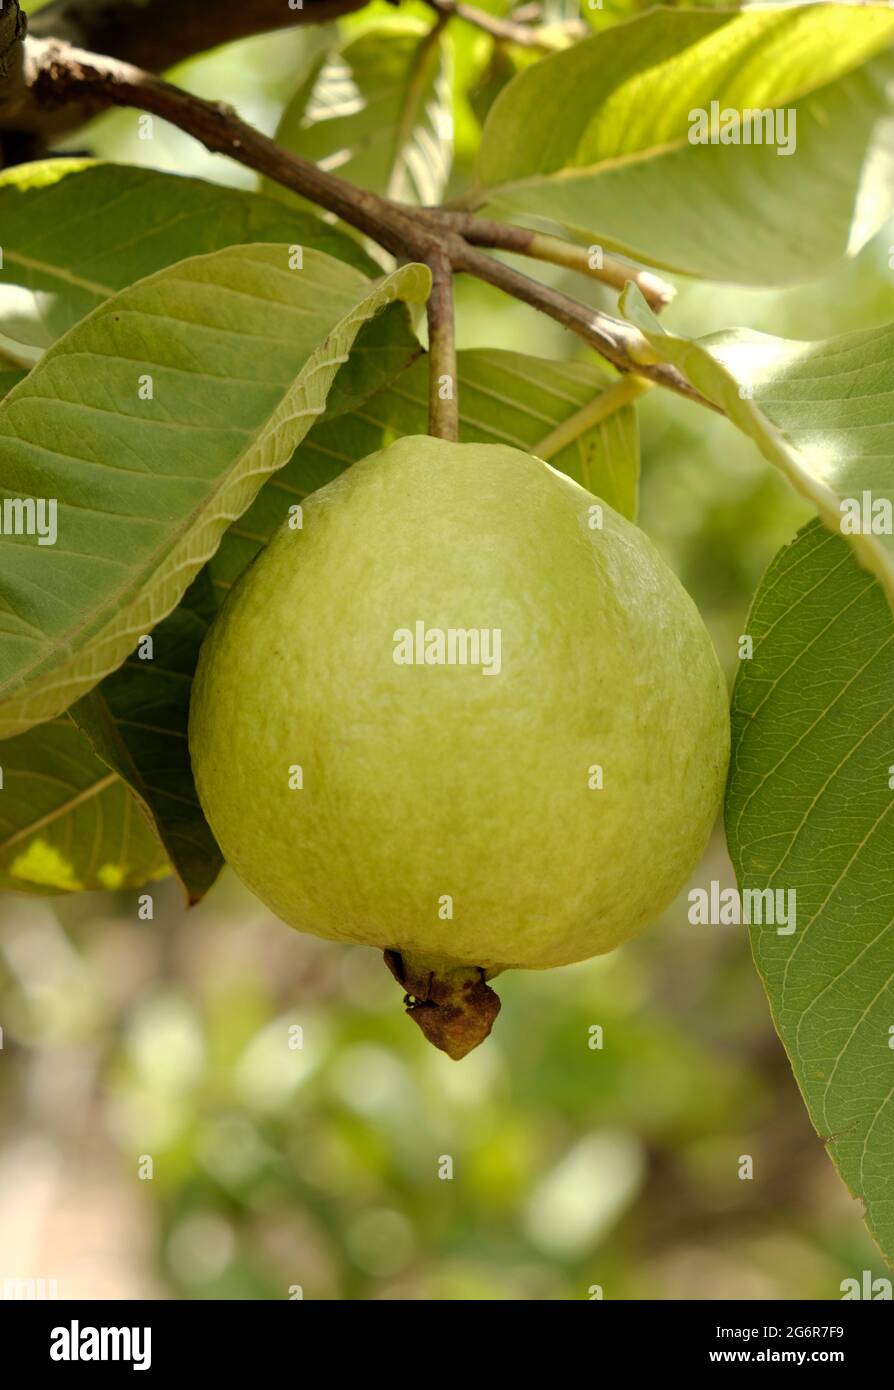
510	398
240	351
67	822
382	349
74	233
821	412
69	244
596	140
810	808
504	398
136	721
8	380
379	112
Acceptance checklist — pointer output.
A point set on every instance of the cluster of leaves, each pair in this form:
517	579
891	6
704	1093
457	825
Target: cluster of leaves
270	374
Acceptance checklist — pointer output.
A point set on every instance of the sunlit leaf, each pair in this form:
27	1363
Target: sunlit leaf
822	412
378	111
597	139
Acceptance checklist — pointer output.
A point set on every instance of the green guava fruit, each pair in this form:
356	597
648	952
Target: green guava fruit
465	714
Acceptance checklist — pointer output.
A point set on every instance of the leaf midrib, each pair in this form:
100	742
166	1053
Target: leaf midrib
93	790
56	272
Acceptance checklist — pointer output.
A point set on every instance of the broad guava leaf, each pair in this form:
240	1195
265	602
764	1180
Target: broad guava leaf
379	111
382	349
136	721
75	232
67	821
596	140
822	412
153	424
810	808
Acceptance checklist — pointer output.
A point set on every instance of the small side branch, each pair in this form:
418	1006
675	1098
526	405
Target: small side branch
617	341
64	75
609	269
443	406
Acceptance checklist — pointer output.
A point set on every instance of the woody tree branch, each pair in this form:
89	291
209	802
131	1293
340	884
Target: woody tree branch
59	75
523	241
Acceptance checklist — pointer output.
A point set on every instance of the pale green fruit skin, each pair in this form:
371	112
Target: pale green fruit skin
425	781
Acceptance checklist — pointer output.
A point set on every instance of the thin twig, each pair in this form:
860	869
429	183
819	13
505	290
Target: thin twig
64	74
523	241
505	30
443	407
616	340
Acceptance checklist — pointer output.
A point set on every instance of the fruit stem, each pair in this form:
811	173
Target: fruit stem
443	406
452	1004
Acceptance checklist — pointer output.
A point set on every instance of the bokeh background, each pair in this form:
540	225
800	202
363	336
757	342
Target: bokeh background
277	1167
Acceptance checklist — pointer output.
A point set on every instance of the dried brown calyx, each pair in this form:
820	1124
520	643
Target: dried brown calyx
453	1004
